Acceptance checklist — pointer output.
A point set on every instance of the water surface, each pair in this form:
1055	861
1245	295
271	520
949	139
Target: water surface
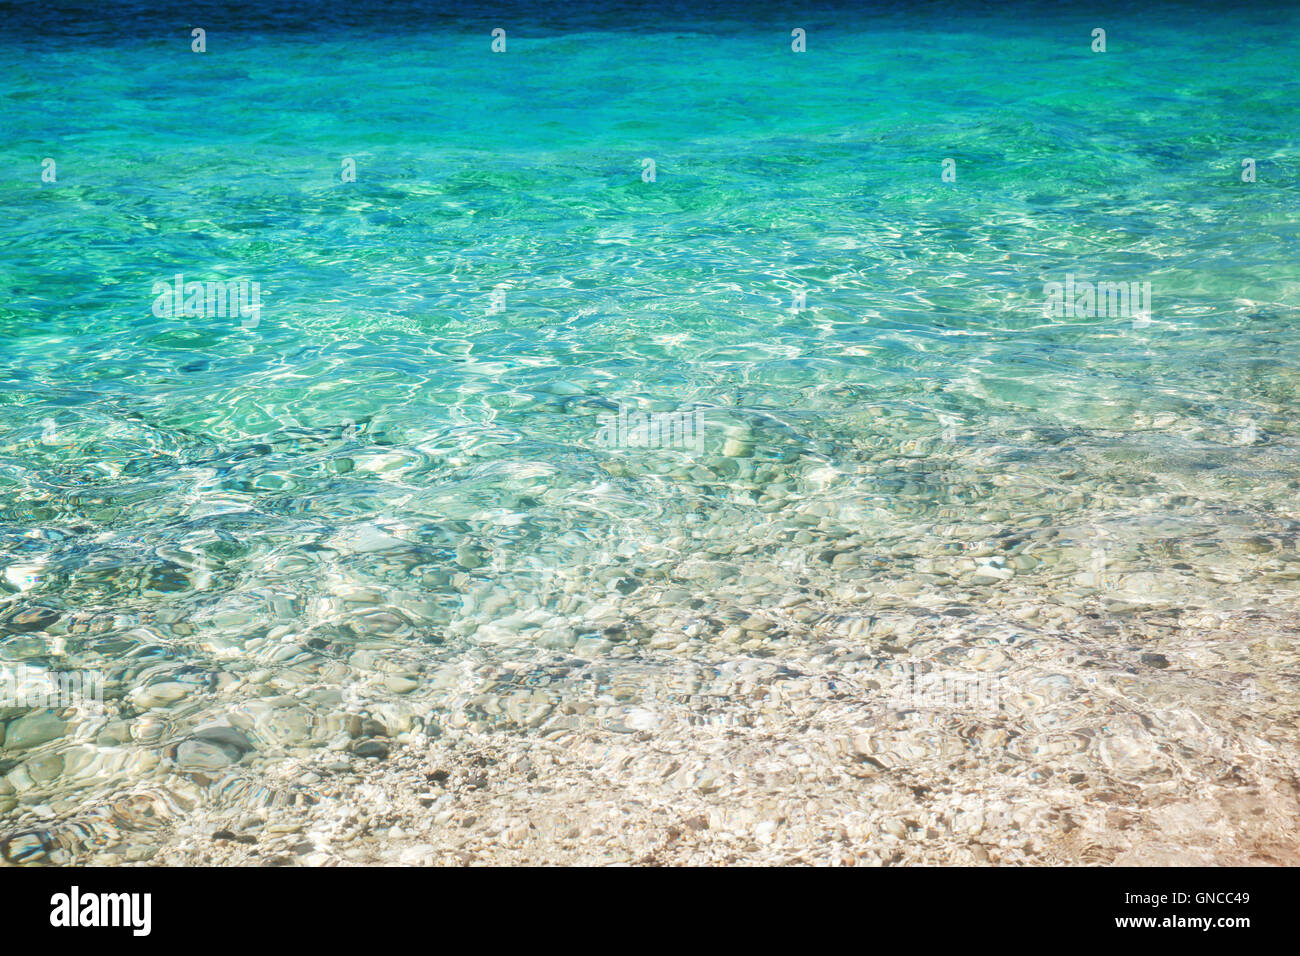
387	500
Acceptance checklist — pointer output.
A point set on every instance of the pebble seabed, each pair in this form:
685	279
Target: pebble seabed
716	674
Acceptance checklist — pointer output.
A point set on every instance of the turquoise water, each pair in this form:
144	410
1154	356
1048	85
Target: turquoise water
393	476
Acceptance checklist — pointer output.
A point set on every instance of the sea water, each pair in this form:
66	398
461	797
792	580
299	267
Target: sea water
370	375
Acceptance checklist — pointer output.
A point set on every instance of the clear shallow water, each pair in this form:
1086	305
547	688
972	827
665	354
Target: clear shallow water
388	498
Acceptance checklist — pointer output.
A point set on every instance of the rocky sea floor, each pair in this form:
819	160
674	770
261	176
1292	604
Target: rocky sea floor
922	647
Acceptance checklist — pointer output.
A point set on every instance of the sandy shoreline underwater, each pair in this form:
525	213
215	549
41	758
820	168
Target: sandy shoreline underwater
1103	748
